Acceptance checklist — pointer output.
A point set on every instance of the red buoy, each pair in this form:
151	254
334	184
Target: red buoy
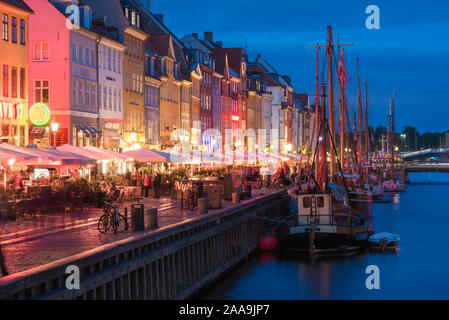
268	242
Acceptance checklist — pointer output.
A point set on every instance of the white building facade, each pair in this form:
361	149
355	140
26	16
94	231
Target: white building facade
110	76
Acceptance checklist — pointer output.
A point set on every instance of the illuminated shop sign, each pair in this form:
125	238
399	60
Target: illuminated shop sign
13	111
235	118
39	114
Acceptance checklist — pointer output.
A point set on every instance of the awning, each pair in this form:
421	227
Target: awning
91	131
84	130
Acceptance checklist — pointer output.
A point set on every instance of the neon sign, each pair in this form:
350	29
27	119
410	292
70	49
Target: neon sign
39	114
12	111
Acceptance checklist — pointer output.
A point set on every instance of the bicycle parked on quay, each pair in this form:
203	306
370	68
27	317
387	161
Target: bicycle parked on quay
112	219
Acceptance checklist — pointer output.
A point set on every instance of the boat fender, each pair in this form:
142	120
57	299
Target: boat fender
268	242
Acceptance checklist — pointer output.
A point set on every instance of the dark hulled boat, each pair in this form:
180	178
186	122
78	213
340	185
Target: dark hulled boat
323	224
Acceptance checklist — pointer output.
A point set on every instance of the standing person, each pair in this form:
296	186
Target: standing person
146	183
157	185
3	271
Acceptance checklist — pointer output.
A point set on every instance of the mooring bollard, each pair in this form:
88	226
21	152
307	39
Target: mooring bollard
137	217
235	198
202	205
151	219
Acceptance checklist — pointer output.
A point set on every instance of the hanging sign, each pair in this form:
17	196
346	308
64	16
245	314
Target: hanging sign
11	111
39	114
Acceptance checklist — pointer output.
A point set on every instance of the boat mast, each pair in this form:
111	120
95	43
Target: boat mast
392	137
317	102
342	115
330	52
359	111
367	158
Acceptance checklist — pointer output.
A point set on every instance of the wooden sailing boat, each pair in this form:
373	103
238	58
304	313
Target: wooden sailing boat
324	222
393	185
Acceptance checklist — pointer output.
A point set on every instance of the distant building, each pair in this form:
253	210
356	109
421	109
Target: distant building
14	96
446	139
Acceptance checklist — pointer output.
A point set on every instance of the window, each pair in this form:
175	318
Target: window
104	57
5	27
87	56
87	94
306	202
94	96
41	52
92	59
74	91
14	29
80	54
22	31
110	98
114	61
14	82
120	100
105	98
119	62
320	202
73	52
42	91
5	81
81	94
115	99
133	18
109	59
22	83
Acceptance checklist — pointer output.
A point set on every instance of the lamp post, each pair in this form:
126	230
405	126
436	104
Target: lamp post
54	129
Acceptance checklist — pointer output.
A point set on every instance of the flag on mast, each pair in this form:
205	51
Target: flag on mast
342	74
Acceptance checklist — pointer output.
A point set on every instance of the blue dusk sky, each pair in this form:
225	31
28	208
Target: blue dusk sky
410	52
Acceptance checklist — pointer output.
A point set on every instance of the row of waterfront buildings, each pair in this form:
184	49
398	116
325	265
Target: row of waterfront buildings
113	75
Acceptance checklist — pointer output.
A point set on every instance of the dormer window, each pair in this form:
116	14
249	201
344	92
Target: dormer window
133	18
127	13
138	20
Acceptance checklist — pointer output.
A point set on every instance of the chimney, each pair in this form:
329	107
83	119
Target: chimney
209	36
258	57
160	18
146	4
219	44
195	35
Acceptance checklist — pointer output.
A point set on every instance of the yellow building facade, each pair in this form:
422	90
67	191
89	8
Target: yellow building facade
134	89
14	73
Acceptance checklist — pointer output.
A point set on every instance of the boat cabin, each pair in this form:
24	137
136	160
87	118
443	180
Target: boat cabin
317	205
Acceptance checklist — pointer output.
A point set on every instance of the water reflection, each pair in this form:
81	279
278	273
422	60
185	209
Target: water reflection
416	270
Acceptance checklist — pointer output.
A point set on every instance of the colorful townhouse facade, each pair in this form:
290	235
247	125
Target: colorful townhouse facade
110	77
14	55
152	99
63	71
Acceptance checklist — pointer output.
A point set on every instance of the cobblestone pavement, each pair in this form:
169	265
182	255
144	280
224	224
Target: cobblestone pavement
28	244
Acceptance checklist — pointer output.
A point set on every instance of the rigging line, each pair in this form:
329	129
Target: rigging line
338	161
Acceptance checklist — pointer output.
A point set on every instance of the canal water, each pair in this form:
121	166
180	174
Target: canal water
419	269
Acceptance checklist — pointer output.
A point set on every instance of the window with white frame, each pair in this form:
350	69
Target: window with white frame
5	31
41	52
42	91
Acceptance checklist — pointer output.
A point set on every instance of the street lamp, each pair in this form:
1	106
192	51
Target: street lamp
54	129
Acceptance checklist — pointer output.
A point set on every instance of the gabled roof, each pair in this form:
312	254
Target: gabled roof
162	44
234	57
194	43
302	97
18	4
265	77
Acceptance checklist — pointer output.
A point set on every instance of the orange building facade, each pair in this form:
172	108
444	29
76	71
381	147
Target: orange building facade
14	103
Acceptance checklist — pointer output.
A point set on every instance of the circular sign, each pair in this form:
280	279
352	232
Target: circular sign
39	114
